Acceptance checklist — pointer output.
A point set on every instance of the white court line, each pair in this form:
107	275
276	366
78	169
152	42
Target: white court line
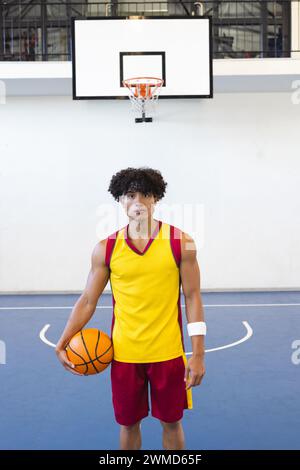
182	305
43	337
242	340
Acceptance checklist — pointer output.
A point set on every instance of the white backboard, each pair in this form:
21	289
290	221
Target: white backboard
107	50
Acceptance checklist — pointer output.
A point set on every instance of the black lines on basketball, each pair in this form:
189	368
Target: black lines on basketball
97	342
87	351
82	358
98	357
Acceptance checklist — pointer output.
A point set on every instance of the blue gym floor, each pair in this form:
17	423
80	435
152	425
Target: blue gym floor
249	398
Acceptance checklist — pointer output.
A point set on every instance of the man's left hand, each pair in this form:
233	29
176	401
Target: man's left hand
194	371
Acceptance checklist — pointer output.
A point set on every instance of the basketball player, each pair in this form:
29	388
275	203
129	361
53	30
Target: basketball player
146	262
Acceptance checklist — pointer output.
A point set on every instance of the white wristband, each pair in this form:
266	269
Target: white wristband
196	328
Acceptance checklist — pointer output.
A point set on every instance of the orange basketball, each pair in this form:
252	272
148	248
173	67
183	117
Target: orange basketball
90	350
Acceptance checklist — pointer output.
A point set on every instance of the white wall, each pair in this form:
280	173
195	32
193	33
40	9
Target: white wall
234	159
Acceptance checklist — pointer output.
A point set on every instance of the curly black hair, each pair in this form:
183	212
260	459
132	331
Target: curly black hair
144	180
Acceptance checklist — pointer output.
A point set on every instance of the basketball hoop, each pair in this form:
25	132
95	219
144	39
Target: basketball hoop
142	92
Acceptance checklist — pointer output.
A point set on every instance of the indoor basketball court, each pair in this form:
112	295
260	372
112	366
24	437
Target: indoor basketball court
207	95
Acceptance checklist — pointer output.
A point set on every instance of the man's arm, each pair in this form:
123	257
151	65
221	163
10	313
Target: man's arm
85	306
190	279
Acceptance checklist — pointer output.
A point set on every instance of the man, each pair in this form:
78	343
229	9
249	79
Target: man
146	263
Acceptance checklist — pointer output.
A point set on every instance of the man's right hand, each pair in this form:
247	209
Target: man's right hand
63	358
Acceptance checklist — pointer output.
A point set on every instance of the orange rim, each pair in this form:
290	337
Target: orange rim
142	88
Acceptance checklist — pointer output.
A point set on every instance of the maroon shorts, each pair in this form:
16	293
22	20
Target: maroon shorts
129	382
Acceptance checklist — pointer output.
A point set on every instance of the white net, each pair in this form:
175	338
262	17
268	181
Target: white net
143	92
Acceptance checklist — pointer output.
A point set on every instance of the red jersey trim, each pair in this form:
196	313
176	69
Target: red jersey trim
175	240
111	240
153	236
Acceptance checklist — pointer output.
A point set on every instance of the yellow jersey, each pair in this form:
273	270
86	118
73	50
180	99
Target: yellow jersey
147	319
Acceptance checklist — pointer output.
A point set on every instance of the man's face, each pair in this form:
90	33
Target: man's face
138	206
